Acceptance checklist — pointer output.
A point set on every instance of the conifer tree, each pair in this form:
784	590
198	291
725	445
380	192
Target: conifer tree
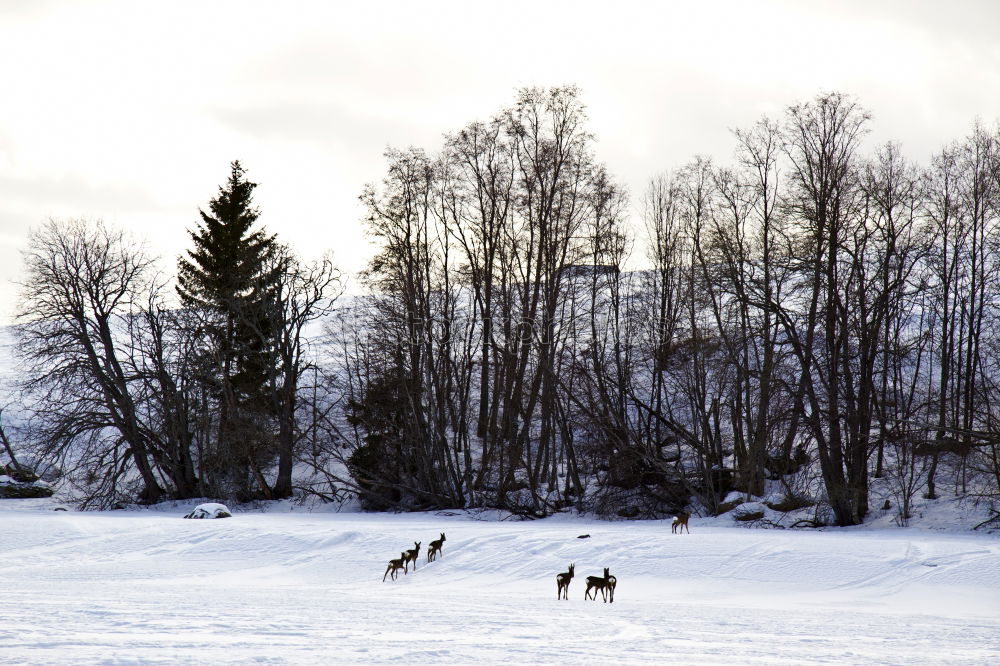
229	277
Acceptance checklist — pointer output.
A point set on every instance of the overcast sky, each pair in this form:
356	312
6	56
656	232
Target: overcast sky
132	111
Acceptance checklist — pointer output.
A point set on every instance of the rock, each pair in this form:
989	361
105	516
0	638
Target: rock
210	510
22	474
24	491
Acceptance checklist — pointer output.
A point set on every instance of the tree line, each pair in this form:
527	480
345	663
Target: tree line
138	391
813	316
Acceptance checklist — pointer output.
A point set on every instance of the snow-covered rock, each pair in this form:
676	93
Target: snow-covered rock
210	510
12	488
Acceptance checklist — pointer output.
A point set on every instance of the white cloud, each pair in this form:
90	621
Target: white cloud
132	111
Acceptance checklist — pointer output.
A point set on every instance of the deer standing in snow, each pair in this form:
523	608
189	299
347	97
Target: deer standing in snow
411	555
606	585
680	522
562	583
395	566
434	548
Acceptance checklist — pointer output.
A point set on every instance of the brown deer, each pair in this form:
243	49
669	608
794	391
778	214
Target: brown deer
605	585
411	555
395	566
434	548
680	522
562	583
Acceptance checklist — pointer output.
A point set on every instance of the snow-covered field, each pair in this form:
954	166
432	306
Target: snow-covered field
306	588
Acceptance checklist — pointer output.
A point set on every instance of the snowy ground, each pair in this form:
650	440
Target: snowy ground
302	588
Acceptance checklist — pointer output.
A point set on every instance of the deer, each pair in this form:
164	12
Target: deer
606	585
411	555
562	583
434	548
680	522
395	566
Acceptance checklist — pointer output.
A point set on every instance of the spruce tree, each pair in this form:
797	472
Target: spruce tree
229	275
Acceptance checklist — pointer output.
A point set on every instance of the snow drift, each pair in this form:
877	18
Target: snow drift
304	588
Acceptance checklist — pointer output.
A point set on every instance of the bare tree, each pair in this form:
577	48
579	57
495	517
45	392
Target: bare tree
300	294
822	140
7	446
83	281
